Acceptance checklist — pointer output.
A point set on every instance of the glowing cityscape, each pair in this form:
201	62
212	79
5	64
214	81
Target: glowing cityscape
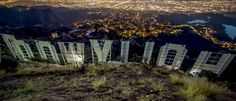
117	50
169	6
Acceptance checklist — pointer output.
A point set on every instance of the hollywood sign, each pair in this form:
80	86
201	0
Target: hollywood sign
170	55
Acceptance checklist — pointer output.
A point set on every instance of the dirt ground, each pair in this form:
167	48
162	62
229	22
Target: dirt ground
105	82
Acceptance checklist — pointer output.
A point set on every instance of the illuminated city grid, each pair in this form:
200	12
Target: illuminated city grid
186	6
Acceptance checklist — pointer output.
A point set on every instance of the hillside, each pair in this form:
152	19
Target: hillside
107	82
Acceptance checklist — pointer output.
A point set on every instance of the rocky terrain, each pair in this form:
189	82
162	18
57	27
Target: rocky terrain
107	82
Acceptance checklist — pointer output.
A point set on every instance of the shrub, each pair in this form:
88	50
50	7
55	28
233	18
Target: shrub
138	71
144	98
143	81
176	79
91	71
39	59
97	84
28	87
161	71
196	89
20	91
127	91
165	71
2	73
158	86
29	84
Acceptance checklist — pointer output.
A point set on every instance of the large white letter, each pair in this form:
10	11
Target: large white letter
72	55
18	48
124	53
103	54
171	56
215	62
47	51
148	52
